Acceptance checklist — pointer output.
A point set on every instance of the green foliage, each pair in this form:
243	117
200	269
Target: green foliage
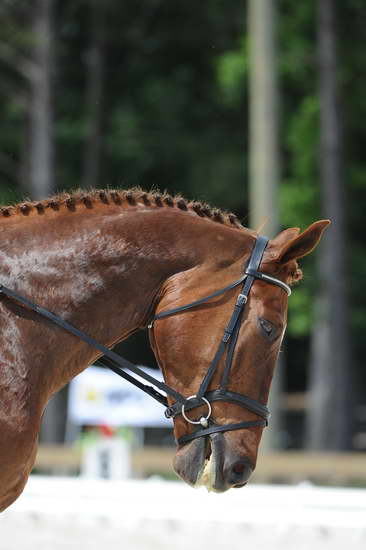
232	70
174	110
299	316
299	192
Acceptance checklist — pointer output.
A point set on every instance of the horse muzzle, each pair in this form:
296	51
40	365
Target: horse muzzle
209	462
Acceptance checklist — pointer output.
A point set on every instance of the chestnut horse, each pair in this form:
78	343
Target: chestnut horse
105	261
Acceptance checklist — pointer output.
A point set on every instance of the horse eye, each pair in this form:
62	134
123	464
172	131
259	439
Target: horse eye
267	328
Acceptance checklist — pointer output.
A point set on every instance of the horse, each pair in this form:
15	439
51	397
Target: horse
108	261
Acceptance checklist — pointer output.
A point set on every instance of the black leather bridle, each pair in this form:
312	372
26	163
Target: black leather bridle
203	397
227	344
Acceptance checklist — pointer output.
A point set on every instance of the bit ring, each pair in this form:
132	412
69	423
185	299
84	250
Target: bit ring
204	419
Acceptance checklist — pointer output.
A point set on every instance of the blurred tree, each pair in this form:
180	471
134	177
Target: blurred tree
264	151
330	411
95	61
40	143
15	70
41	182
263	116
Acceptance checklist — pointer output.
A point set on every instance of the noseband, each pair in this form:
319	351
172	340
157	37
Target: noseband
227	344
184	404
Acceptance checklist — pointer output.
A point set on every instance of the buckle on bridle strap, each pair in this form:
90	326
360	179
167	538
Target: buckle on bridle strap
169	412
241	300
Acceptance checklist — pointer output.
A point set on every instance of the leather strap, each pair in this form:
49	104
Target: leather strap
230	354
225	428
218	395
199	302
268	279
118	362
233	325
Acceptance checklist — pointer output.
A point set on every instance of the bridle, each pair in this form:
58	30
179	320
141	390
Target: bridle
182	404
227	344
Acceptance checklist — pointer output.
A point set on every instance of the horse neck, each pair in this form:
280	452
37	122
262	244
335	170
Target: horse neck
100	270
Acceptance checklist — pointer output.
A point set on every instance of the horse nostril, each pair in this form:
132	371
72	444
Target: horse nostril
239	468
239	473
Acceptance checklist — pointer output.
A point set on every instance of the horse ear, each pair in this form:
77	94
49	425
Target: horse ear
284	237
292	246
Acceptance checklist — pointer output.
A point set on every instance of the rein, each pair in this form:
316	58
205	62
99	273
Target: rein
183	404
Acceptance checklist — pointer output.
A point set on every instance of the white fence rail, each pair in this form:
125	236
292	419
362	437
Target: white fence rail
69	513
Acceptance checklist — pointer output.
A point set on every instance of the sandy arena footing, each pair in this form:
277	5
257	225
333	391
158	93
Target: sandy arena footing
68	513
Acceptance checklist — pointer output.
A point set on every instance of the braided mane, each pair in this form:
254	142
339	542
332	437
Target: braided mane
130	197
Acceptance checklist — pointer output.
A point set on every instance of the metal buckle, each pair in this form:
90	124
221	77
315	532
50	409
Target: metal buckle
169	412
204	419
241	300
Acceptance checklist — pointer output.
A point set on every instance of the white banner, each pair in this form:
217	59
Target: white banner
98	396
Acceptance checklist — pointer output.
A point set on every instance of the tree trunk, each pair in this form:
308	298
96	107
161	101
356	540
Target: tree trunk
41	158
41	178
264	150
94	96
330	407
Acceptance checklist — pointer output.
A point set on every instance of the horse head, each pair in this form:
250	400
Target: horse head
185	342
